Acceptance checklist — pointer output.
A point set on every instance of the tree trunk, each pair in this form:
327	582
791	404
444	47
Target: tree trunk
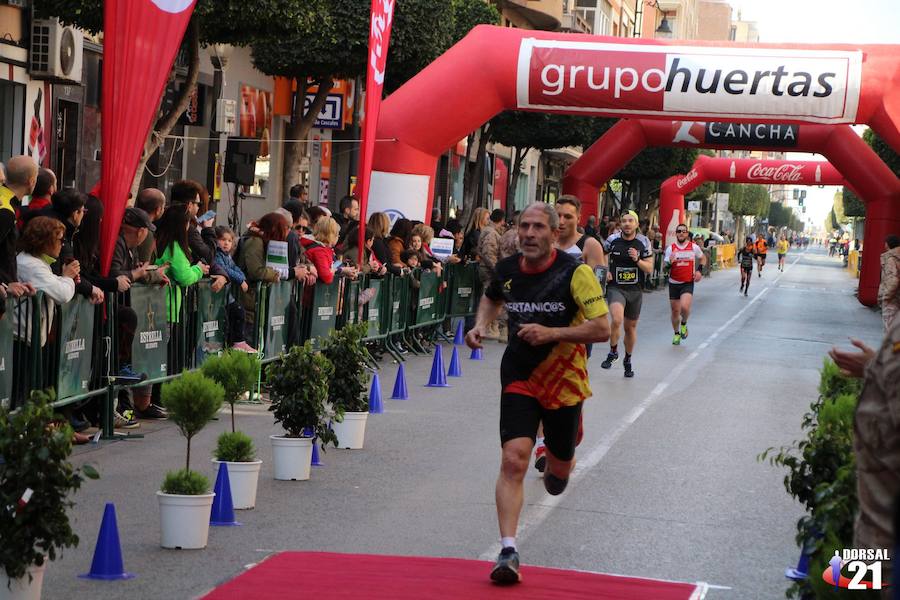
297	130
187	462
473	177
167	122
518	159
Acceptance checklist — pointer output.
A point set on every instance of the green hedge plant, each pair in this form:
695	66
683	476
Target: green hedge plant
192	400
235	446
35	445
185	483
822	476
298	388
237	372
347	384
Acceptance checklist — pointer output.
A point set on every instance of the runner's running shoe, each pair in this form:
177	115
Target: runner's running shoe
540	457
506	569
610	359
684	331
629	372
676	339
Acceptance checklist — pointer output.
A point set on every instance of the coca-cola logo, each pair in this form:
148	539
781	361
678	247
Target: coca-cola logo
606	78
683	181
786	173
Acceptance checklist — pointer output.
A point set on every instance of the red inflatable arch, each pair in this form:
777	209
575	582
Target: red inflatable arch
737	170
870	178
495	68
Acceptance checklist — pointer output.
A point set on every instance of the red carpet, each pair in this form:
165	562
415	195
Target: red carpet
324	575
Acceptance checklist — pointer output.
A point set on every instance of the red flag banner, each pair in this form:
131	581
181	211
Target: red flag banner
140	40
379	36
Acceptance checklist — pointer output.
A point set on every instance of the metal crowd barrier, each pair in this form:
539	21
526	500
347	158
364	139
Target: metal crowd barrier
77	351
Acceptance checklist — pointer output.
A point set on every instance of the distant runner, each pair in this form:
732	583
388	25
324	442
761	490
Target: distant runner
762	249
629	254
555	307
746	256
782	249
685	270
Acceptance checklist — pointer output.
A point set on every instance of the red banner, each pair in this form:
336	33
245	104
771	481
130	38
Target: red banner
140	40
379	36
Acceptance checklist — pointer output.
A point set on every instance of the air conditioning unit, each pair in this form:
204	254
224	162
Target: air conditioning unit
56	51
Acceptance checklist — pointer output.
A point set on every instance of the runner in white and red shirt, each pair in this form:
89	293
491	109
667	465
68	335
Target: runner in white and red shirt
685	260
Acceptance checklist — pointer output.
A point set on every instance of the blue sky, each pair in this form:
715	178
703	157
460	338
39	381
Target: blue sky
824	21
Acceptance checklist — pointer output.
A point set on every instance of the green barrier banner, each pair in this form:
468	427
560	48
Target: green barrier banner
351	308
279	305
375	307
149	353
6	353
427	307
463	299
211	316
324	310
399	291
76	337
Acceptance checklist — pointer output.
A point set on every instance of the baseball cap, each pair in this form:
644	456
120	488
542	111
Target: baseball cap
136	217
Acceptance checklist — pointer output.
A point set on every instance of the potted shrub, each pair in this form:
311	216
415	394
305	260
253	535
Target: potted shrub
236	372
236	450
34	526
347	386
298	388
185	502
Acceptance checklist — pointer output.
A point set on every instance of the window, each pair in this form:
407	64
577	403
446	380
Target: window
12	119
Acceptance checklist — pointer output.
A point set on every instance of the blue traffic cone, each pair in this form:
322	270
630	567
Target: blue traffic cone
437	379
376	406
460	338
107	563
477	354
400	392
455	367
223	507
316	460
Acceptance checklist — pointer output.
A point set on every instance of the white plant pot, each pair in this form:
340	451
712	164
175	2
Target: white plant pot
351	433
184	520
291	457
22	589
243	477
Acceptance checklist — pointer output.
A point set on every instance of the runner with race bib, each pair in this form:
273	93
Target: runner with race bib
630	256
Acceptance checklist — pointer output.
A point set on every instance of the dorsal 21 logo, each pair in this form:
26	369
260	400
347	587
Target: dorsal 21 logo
863	564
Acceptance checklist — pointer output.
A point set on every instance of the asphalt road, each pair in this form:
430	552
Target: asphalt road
667	485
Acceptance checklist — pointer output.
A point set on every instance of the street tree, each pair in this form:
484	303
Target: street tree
523	131
335	45
884	151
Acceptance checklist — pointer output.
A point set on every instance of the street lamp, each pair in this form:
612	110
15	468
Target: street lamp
664	30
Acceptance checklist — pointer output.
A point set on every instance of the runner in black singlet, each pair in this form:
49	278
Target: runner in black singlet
555	307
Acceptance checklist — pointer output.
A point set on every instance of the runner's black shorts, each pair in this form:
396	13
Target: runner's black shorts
747	269
762	258
520	416
630	297
677	289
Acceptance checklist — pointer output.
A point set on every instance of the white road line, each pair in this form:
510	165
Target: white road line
538	513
